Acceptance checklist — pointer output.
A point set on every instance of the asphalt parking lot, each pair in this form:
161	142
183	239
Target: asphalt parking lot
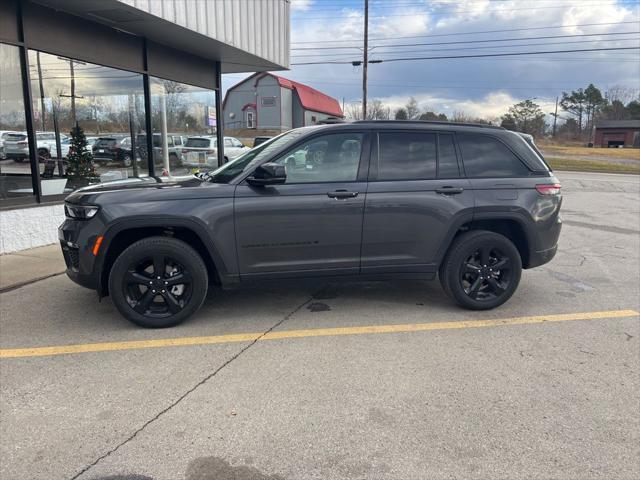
357	380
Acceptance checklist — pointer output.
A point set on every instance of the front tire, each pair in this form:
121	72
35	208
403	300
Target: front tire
158	282
482	270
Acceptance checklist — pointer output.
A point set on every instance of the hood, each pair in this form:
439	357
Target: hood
147	187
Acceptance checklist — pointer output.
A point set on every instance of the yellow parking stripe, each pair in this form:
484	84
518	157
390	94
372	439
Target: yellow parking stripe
317	332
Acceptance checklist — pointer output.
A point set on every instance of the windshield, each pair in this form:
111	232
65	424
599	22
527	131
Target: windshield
253	157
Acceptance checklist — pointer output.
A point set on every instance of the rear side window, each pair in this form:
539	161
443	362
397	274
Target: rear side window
406	156
485	156
197	142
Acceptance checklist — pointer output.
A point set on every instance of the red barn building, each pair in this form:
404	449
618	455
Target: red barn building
617	133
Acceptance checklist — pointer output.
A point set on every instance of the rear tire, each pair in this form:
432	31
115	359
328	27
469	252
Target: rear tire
158	282
481	271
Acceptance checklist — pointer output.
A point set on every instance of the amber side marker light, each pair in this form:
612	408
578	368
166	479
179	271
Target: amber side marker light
96	247
549	189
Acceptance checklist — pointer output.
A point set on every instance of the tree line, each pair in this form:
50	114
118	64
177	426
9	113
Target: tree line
579	111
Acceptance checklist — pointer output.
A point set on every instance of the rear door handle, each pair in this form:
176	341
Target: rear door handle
449	190
342	194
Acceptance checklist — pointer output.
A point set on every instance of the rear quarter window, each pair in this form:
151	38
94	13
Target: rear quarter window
485	156
197	143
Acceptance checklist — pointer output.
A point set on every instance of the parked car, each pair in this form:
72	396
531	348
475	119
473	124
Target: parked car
202	151
260	140
175	143
16	145
4	134
471	204
113	149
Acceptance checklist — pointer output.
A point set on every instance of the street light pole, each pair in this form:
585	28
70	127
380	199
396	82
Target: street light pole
366	59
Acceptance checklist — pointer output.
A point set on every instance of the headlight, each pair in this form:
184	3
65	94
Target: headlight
80	212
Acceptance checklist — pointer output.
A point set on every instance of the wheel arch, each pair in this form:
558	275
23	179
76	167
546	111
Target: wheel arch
510	225
119	236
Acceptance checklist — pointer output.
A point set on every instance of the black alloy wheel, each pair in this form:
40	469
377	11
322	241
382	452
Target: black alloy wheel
486	273
481	270
158	286
158	282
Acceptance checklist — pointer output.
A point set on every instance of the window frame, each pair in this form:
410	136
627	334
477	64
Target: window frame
494	137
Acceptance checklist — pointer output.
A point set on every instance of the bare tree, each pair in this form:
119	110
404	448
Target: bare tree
376	110
622	93
412	108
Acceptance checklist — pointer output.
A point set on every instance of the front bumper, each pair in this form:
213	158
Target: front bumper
76	241
541	257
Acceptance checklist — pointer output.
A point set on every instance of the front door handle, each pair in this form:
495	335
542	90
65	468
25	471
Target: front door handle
342	194
447	190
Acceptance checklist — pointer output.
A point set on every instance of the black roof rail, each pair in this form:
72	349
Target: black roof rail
432	122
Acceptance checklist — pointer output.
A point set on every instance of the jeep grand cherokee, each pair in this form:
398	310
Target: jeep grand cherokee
471	204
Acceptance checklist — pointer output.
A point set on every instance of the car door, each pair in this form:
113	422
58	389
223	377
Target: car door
313	222
415	197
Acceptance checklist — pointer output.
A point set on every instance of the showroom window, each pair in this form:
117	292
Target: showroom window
106	103
182	114
15	170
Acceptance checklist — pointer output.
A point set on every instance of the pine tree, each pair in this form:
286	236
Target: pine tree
80	159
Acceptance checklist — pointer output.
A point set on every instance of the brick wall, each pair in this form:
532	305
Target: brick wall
25	228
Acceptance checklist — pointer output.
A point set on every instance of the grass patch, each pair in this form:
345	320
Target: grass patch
581	165
626	153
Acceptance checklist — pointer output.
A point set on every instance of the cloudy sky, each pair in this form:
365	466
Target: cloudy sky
331	31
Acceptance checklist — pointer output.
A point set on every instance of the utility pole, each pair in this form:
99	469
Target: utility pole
73	86
366	59
555	119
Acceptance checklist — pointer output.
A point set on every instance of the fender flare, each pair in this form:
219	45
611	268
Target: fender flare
140	221
511	215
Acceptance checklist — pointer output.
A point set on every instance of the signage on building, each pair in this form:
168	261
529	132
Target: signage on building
211	116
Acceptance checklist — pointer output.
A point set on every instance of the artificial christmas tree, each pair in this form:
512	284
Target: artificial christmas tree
80	168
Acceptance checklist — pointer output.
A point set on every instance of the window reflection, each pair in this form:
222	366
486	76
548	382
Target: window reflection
107	103
15	171
183	123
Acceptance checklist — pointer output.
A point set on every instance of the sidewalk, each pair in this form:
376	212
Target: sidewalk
30	265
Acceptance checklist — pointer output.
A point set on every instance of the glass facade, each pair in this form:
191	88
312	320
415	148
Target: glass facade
15	170
183	122
108	105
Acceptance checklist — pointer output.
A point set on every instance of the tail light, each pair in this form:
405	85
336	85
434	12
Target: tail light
22	144
210	152
549	189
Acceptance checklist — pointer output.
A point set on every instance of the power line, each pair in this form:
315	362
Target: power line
468	48
474	33
460	42
343	62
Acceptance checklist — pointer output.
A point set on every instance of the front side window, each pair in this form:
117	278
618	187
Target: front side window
328	158
484	156
406	156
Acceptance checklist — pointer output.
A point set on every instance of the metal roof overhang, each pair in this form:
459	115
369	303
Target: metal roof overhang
122	17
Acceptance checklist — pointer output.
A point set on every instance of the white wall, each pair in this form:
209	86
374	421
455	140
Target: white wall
260	27
29	227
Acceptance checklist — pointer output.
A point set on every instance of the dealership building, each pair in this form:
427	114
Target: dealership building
138	76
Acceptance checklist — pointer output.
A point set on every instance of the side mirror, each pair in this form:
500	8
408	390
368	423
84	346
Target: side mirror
268	174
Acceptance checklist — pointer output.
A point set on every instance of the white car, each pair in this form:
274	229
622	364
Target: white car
4	135
202	151
16	145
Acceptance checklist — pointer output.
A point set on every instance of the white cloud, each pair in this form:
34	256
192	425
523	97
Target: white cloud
301	5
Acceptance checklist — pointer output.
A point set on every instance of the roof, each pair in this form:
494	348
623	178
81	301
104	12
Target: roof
618	124
310	98
429	122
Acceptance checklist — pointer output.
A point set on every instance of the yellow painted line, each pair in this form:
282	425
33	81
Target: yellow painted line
316	332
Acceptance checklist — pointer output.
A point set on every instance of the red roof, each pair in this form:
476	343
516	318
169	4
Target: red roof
310	98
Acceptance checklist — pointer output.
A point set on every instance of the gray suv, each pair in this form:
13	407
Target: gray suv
471	204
